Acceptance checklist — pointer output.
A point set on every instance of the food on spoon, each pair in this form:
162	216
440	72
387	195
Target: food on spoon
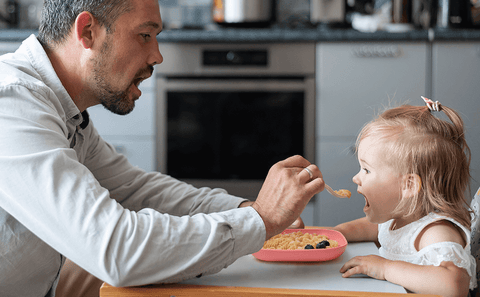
309	247
344	192
298	241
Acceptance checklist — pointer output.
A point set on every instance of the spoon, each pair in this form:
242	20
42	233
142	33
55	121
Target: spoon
340	193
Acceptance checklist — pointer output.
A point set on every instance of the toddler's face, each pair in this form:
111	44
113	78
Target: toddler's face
377	181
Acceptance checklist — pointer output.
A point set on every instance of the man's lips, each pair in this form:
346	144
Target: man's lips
140	79
143	75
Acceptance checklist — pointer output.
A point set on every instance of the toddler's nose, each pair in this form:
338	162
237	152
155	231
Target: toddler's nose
356	180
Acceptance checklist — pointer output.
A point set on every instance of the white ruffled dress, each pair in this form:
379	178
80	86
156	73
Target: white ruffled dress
400	245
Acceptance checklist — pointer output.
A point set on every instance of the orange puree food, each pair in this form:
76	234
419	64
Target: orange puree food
296	240
344	192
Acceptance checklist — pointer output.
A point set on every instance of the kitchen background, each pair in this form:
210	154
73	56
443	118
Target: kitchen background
350	74
25	14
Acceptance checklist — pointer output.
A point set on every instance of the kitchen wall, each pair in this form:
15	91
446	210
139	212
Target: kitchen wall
175	13
29	13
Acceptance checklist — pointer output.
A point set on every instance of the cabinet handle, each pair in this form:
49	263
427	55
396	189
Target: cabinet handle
377	51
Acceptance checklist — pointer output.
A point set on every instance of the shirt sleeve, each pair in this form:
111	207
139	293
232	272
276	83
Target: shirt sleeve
439	252
68	206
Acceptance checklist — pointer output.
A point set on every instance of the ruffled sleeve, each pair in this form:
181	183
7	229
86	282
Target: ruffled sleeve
436	253
475	233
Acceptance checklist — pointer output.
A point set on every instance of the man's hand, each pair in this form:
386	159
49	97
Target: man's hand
285	193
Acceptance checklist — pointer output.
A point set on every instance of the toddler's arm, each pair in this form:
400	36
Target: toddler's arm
358	230
445	280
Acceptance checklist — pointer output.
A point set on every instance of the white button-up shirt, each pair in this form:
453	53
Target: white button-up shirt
65	192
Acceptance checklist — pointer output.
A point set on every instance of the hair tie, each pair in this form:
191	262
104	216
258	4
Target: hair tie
433	106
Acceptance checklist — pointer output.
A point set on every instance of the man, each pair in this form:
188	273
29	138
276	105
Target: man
65	193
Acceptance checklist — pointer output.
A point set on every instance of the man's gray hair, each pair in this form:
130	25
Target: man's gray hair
58	17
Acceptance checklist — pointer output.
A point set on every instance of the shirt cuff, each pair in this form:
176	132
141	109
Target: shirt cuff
249	232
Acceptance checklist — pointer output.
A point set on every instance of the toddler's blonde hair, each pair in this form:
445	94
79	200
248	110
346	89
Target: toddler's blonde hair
417	142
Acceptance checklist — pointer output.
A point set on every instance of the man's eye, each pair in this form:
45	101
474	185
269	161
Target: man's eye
145	36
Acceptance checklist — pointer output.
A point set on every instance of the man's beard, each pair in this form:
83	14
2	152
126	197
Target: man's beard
113	100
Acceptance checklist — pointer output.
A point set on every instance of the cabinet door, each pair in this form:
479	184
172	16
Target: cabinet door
141	121
140	151
134	134
8	47
456	84
338	164
356	79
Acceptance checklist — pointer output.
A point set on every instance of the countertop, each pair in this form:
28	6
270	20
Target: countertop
250	272
320	34
288	278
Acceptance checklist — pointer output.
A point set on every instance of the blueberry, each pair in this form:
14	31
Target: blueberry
309	247
323	244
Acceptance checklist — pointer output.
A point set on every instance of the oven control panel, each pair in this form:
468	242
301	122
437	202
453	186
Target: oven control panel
235	58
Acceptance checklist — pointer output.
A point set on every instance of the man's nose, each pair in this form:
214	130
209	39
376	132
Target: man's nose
156	57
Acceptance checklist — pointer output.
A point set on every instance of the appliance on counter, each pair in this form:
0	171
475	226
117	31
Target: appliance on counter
227	113
402	11
337	13
331	11
459	14
12	14
424	13
243	13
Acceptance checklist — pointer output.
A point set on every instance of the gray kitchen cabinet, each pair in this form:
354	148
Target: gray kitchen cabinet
355	81
456	84
8	47
134	134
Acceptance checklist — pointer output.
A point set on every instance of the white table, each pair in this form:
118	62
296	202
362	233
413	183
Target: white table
250	272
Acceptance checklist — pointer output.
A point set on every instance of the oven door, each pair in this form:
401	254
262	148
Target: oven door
227	132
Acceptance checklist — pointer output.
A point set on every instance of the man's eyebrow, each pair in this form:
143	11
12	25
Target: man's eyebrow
150	24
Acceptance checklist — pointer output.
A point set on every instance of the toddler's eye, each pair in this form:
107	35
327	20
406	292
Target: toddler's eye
366	170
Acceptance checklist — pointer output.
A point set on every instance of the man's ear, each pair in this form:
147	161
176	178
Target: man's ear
83	29
412	184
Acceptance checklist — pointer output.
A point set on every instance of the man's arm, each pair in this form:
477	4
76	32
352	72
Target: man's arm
297	224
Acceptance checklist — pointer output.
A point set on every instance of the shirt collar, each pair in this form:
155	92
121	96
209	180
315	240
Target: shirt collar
42	65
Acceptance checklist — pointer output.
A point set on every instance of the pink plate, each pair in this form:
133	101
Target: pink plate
306	255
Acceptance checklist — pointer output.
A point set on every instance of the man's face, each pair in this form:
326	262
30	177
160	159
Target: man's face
127	57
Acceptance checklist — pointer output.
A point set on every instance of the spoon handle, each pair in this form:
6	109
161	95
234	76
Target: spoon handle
331	191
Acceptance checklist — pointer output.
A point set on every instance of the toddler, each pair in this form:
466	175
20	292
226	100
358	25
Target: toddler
414	173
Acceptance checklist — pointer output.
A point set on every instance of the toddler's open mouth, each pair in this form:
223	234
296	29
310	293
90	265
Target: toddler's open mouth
367	204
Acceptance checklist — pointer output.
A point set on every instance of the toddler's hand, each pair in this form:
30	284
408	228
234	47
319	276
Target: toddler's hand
372	265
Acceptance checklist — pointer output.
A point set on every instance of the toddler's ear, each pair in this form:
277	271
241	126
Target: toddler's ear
412	184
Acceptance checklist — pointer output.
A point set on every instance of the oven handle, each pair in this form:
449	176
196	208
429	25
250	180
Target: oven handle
261	84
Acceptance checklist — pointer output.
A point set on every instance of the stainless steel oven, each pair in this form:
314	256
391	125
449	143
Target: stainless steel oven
225	113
